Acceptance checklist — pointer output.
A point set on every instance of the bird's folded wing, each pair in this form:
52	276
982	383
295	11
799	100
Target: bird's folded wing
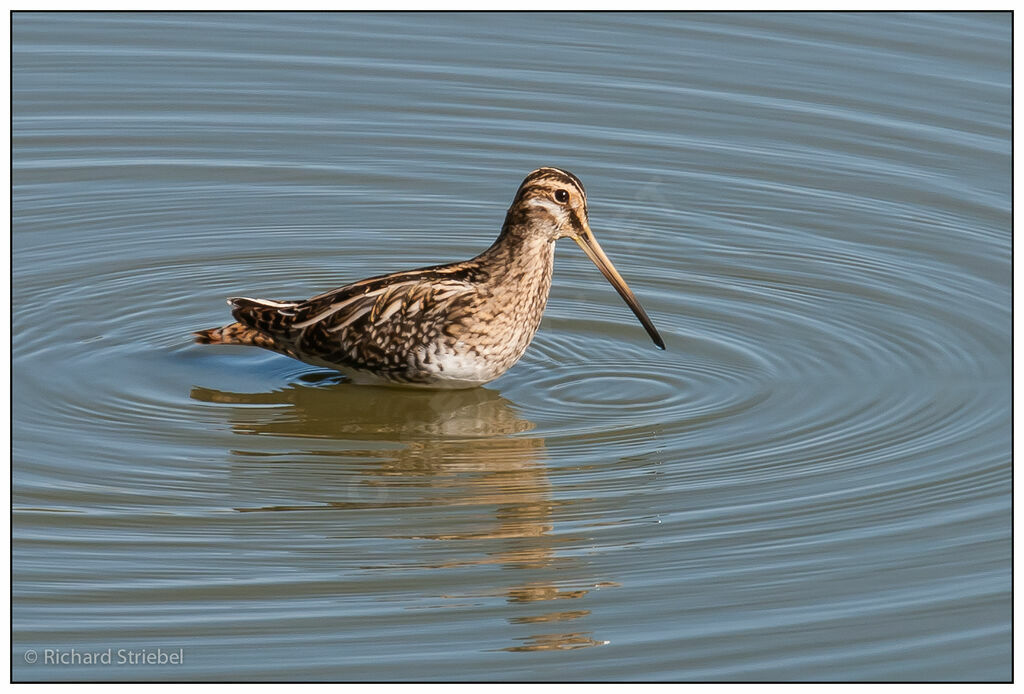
371	302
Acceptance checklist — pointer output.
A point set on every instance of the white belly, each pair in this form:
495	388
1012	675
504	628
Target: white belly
443	371
461	370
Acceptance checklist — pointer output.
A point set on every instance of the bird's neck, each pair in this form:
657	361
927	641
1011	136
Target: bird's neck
519	257
516	279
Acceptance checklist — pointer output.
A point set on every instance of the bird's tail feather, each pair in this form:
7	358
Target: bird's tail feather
235	334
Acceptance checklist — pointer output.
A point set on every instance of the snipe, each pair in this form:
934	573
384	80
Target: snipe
446	326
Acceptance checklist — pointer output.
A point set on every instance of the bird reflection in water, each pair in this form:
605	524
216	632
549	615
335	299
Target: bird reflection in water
464	449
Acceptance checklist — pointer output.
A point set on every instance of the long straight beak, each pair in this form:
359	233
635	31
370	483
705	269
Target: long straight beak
596	254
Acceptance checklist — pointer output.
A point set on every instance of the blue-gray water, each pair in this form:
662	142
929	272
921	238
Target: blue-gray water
811	483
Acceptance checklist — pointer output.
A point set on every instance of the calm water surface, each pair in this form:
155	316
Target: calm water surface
811	483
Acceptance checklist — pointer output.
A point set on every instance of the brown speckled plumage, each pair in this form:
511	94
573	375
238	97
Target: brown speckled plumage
445	326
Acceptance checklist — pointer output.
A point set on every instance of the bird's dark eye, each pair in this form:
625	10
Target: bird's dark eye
562	195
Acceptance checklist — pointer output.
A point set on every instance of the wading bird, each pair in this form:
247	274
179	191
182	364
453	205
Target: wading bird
446	326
